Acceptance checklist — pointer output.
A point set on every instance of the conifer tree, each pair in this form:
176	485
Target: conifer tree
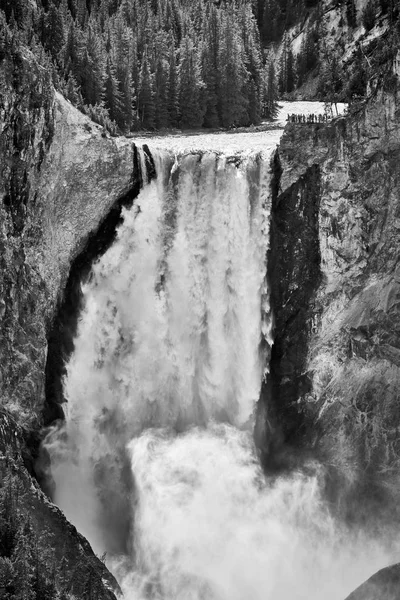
72	48
290	73
54	31
253	63
146	107
269	27
72	91
233	103
161	95
112	95
270	97
135	76
307	59
331	80
91	76
172	91
190	85
82	16
122	52
287	67
209	67
95	44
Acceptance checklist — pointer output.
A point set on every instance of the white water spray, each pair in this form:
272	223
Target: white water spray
155	462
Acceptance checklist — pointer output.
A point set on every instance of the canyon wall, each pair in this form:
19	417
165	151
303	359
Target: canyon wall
335	368
60	176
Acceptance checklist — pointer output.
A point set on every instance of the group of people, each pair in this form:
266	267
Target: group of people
311	118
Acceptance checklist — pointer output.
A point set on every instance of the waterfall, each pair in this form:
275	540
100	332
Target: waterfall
155	462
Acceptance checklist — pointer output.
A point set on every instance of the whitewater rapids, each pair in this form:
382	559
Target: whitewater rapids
155	463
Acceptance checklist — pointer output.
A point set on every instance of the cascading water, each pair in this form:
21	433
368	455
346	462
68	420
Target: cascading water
155	462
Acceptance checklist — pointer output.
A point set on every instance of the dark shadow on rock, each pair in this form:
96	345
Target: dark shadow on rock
294	276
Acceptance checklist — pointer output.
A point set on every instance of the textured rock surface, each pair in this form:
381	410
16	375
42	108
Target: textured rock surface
347	361
51	155
294	275
58	542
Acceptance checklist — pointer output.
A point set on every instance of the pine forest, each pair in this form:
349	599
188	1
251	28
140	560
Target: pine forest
150	64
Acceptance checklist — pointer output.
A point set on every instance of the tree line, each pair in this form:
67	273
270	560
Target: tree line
159	64
152	64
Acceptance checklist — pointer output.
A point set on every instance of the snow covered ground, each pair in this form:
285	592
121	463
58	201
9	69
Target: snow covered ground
231	142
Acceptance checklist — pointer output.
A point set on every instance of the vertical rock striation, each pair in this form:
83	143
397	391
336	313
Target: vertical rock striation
335	369
60	176
63	182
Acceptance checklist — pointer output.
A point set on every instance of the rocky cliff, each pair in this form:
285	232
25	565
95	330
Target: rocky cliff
63	181
335	369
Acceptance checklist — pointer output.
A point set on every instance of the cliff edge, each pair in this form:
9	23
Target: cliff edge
61	176
335	368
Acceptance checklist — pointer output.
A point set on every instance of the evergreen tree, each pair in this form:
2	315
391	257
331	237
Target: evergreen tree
269	29
91	76
172	91
233	103
112	95
122	52
161	95
287	68
253	63
290	74
72	91
209	68
82	16
97	50
270	96
73	47
331	80
357	84
307	59
190	86
54	31
146	106
135	77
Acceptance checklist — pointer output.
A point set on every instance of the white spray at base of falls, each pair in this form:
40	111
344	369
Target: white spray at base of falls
155	462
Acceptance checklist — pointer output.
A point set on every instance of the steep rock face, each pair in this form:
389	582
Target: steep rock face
294	275
50	209
52	155
349	364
